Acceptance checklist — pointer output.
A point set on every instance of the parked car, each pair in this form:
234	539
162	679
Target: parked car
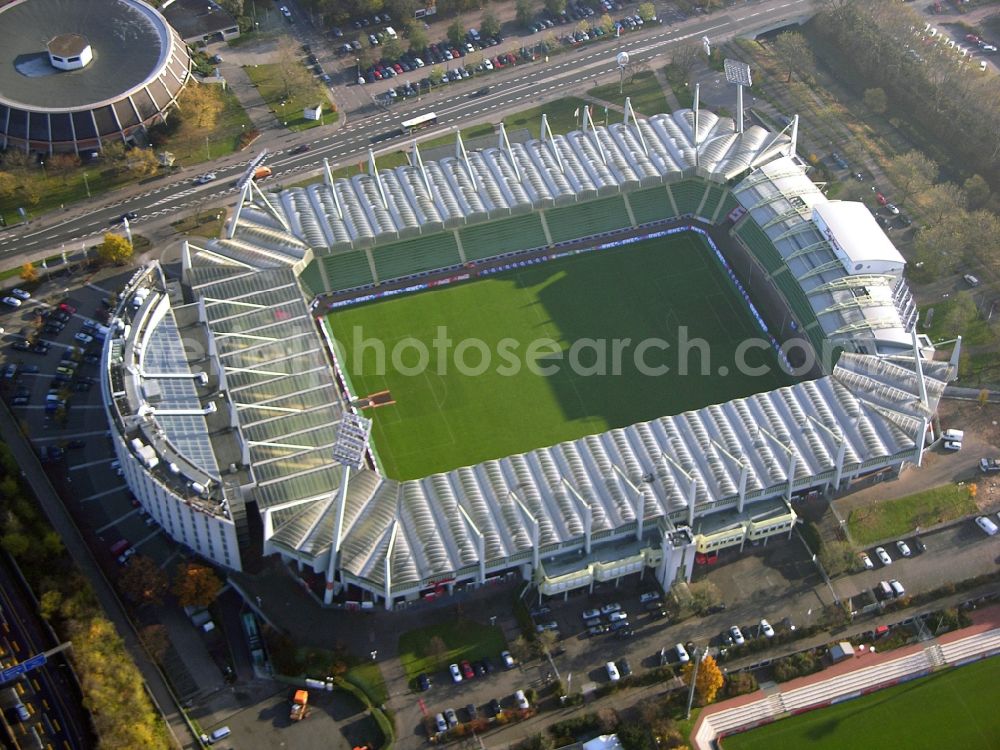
624	667
451	717
423	682
207	177
682	655
20	294
495	708
440	724
612	671
521	700
987	525
590	614
467	671
12	301
543	626
649	596
766	629
883	556
617	616
866	561
507	659
607	609
472	711
456	673
903	548
737	635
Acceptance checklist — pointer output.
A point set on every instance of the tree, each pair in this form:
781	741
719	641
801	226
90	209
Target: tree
977	191
685	56
17	161
555	6
961	312
115	250
489	25
235	7
607	23
983	398
156	639
392	49
142	161
29	272
15	543
708	681
911	173
876	101
704	594
792	51
143	581
942	202
521	649
646	11
583	26
456	32
63	165
8	184
292	74
435	75
547	640
524	13
418	38
437	650
196	585
201	105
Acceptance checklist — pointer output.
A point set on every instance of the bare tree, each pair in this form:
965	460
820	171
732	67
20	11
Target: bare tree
685	56
792	50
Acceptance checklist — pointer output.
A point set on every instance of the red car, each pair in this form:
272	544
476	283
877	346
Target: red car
882	200
66	307
455	54
498	62
467	671
973	38
398	68
511	60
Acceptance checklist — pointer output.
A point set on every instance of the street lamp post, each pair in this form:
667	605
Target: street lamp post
86	184
208	154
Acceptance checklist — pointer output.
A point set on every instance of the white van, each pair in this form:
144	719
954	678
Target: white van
897	588
612	669
956	435
219	734
682	655
987	525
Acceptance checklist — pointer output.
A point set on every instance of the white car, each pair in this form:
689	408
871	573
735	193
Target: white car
590	614
682	655
766	629
12	301
83	338
903	548
20	294
883	556
507	659
207	177
285	12
488	64
736	635
607	609
613	674
440	723
456	673
521	699
617	616
987	525
892	208
866	561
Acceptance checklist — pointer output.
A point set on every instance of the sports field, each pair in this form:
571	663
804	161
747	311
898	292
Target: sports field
956	708
552	352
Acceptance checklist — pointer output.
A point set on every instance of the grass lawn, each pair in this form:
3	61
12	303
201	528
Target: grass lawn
949	709
561	322
268	81
644	90
201	224
896	518
368	677
463	639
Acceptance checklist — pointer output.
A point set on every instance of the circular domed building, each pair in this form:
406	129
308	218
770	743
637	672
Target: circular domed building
74	75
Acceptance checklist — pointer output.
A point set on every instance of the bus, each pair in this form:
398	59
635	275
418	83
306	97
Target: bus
423	121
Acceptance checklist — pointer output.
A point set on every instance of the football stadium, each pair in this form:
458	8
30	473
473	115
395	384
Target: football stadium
470	370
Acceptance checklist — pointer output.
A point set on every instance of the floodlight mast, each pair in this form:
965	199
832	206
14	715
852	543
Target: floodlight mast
738	74
622	61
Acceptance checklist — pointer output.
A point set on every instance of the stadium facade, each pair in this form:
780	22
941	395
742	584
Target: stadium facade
75	75
226	397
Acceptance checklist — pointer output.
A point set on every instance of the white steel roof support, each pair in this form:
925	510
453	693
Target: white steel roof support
697	109
460	153
418	162
533	525
503	143
549	140
639	506
588	514
630	115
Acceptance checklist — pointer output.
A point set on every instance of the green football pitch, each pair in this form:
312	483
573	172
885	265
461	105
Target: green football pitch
956	708
588	336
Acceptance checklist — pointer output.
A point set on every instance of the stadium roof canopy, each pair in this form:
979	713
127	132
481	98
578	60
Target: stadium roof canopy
867	310
854	232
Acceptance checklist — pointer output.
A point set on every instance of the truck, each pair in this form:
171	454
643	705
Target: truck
300	705
989	465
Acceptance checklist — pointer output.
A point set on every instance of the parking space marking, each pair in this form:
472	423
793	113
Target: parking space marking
68	435
105	527
87	465
146	538
99	495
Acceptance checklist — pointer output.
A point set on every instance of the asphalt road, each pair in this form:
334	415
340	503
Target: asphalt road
527	86
46	692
